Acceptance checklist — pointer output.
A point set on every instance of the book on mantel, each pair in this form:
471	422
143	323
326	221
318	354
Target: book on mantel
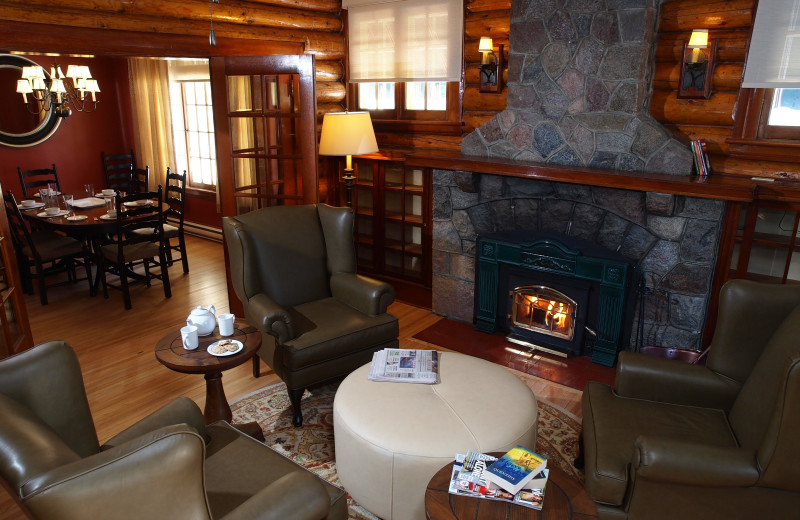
515	469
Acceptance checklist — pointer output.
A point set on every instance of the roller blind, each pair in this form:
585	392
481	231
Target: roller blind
773	60
409	40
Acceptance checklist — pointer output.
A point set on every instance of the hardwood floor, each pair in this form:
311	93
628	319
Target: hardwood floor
124	381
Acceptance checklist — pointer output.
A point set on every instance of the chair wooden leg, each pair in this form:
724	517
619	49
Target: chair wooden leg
42	286
123	281
256	366
294	397
165	275
184	259
88	265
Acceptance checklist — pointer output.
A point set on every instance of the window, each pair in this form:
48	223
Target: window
193	124
405	62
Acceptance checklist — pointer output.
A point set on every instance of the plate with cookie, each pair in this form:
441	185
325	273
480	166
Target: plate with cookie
225	347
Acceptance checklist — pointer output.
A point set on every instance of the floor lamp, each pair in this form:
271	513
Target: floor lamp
348	134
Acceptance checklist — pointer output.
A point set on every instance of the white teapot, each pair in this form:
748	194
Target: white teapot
203	319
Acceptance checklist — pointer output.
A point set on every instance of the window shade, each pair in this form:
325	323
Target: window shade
773	60
410	40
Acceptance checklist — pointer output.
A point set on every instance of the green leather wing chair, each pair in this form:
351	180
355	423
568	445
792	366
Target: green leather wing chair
720	441
294	270
169	465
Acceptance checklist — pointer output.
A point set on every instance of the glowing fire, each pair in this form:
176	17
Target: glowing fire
542	309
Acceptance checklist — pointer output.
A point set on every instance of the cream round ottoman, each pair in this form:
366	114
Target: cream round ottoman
391	438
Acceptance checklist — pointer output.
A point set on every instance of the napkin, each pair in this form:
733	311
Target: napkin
88	202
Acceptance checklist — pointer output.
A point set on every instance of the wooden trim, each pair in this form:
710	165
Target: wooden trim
418	127
765	150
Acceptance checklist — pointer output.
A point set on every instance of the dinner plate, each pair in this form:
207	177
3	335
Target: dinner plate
103	195
33	206
59	214
77	218
134	203
235	342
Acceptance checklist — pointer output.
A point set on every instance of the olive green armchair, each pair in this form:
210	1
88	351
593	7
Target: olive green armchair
294	270
673	440
170	465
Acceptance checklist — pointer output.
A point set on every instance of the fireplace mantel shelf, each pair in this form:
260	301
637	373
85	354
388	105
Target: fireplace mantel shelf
716	186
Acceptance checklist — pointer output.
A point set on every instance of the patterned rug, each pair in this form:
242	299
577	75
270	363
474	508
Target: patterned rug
312	445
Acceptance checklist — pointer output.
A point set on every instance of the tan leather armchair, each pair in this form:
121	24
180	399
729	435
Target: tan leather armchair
169	465
673	440
294	269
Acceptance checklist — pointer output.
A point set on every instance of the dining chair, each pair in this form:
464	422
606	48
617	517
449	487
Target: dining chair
33	180
118	168
46	252
175	196
139	179
137	241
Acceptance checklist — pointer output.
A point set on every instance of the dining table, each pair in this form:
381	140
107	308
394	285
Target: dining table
85	219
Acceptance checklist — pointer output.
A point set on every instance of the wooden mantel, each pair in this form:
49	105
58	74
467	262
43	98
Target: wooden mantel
721	187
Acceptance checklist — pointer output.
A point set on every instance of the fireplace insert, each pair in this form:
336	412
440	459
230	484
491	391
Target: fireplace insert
555	293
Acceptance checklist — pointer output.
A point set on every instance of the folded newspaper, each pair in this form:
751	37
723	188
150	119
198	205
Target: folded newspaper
468	479
405	366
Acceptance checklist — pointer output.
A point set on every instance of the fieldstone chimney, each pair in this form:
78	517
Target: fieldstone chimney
579	85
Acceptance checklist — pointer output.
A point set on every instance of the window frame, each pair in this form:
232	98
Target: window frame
748	139
190	184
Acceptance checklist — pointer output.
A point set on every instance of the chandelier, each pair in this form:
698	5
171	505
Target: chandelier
58	92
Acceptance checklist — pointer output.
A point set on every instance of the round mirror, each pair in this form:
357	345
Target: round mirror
20	124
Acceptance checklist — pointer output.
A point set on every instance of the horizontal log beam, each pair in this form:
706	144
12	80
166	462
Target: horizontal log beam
488	24
479	6
726	77
473	120
475	100
327	70
324	45
686	15
327	6
330	92
432	142
730	48
230	11
716	111
715	136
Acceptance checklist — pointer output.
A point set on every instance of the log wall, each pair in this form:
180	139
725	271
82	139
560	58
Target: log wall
317	24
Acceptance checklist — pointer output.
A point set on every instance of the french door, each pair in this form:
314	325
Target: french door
265	128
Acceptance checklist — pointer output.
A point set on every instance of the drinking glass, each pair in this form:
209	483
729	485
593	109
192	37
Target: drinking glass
89	189
68	204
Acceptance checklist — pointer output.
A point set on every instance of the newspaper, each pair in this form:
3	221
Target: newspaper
405	366
467	479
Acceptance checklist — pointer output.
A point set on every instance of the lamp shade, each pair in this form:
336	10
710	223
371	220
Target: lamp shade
485	45
347	133
699	39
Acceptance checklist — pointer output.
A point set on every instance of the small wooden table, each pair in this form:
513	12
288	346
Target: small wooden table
564	499
170	352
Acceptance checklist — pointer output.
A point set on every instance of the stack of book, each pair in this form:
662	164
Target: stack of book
519	476
405	366
700	153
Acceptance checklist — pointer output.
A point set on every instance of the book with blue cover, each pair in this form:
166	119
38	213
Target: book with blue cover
515	469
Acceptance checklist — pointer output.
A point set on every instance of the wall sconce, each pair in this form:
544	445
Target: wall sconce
697	66
491	66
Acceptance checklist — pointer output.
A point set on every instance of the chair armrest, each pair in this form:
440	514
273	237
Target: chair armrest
138	479
691	464
295	496
670	381
364	294
181	410
270	317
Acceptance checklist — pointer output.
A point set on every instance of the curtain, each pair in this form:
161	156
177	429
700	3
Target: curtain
240	99
152	119
409	40
773	60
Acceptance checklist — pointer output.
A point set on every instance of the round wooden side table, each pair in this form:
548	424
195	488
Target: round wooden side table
564	499
170	352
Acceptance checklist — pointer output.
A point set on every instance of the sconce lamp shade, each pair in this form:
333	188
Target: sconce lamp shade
347	133
699	39
485	45
24	86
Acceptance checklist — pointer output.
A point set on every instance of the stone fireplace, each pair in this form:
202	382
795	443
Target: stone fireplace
579	85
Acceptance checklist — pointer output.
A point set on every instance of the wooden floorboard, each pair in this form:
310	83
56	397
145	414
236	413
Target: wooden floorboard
124	381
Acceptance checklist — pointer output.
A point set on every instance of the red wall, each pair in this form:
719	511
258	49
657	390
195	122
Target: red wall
76	145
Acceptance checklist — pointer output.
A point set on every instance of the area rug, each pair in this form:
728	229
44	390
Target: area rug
312	445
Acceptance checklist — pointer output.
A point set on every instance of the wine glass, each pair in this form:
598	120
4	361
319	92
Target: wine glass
68	204
89	189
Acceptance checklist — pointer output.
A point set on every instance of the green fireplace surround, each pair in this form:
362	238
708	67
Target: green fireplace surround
551	256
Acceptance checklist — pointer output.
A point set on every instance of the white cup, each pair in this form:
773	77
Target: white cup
52	211
189	337
108	192
28	203
226	324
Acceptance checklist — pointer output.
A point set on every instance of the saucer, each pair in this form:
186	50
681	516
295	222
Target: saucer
59	214
103	195
32	206
77	218
107	217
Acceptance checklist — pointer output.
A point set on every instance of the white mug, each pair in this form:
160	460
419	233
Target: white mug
189	337
226	324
